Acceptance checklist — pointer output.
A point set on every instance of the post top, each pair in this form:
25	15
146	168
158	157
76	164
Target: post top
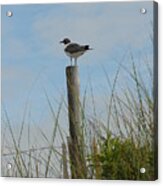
71	67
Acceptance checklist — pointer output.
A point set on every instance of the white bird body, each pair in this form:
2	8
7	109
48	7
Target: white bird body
74	50
74	55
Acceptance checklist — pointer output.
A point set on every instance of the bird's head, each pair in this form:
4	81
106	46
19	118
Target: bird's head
65	41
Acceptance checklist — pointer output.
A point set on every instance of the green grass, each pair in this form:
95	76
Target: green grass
115	149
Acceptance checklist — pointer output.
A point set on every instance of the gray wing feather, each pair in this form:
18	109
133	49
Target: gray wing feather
74	47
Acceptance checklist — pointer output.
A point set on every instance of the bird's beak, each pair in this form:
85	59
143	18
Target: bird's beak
61	42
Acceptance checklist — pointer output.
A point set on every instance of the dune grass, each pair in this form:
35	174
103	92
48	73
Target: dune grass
115	149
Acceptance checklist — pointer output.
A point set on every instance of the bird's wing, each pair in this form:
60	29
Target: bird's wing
74	47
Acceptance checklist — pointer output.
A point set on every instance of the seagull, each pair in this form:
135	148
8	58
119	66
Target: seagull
74	50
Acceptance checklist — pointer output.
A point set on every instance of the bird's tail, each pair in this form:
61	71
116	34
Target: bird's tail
86	47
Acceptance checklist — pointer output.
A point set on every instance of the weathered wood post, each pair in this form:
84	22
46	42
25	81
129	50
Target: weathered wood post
75	141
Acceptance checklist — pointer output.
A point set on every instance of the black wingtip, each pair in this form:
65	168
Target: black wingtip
86	47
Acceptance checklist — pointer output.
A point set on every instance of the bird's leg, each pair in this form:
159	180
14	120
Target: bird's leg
71	60
75	61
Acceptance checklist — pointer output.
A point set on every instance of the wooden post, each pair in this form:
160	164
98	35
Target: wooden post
75	141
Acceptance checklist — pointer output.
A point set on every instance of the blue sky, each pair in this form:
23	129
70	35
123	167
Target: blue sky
34	61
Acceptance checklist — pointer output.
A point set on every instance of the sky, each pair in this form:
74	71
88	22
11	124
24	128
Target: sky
33	60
